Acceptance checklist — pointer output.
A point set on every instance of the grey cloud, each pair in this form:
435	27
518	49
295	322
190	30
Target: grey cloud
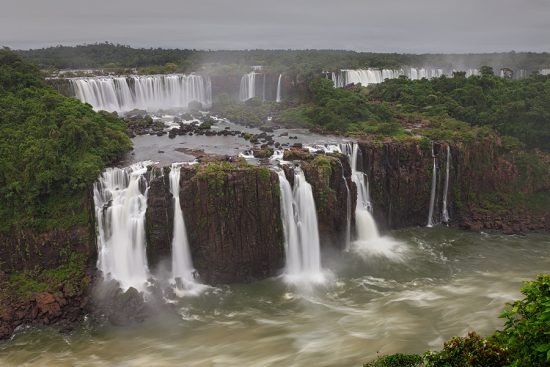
385	26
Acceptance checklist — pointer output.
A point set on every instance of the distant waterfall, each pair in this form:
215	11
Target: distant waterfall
375	76
278	99
434	186
247	89
150	93
120	198
182	264
445	211
303	254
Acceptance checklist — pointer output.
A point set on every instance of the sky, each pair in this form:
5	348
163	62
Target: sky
410	26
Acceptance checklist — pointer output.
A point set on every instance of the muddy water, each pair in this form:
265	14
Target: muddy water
442	283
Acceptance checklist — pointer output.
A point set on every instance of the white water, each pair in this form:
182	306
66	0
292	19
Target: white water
375	76
303	253
432	195
369	243
182	264
278	99
247	89
445	211
120	198
150	92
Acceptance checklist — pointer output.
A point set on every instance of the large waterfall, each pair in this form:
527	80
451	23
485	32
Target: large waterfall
303	254
247	89
120	198
278	98
182	264
150	92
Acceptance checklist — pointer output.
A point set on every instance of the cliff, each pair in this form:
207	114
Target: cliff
489	187
45	277
232	216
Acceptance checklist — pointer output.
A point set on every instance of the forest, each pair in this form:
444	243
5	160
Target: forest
51	149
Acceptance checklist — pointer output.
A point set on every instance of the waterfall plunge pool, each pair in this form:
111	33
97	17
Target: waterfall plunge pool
447	282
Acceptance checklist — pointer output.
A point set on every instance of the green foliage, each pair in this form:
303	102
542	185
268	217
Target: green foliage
51	147
526	334
517	108
71	275
471	351
396	360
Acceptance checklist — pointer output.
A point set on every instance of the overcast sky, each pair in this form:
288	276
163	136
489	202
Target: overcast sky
363	25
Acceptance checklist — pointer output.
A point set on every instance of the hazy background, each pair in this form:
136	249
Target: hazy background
381	26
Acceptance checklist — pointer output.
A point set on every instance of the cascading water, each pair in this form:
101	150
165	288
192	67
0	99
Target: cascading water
445	212
369	242
120	198
278	98
247	89
375	76
182	264
434	186
150	92
299	217
366	226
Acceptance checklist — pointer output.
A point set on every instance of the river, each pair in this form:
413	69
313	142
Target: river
436	283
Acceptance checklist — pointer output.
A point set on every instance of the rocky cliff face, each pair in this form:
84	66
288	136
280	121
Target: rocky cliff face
44	277
159	216
489	188
233	221
330	179
232	216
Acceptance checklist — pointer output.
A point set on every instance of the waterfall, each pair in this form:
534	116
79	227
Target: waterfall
278	99
263	89
369	76
299	217
369	242
445	211
182	264
365	224
150	92
434	185
120	198
348	210
247	89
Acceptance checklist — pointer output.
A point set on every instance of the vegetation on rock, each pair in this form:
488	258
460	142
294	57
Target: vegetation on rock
51	149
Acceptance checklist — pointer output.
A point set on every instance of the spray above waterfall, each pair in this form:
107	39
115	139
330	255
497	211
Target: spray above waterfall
149	92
